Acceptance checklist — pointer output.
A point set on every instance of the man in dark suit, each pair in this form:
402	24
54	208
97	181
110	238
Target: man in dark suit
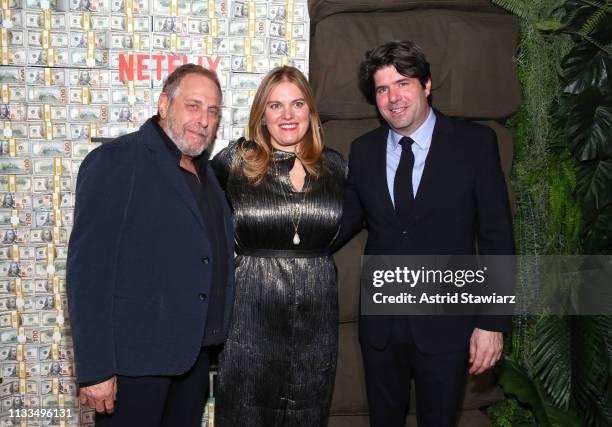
150	263
423	184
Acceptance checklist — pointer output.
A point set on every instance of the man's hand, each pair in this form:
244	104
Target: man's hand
101	396
485	350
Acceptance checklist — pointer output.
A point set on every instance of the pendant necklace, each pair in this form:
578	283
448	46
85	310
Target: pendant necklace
295	221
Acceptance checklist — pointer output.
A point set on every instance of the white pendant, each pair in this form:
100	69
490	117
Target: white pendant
296	239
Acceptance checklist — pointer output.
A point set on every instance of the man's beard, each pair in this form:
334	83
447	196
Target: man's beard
183	145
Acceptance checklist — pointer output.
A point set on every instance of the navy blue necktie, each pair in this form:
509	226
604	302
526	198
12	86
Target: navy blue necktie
402	185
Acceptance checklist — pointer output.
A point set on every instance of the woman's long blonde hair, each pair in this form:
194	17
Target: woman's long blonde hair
258	156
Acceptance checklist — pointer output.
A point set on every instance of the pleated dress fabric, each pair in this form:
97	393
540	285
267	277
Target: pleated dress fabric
278	365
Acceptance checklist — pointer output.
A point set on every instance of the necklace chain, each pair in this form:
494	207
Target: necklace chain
294	222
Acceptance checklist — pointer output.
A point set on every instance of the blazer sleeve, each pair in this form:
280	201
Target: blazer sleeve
494	225
91	264
352	209
223	161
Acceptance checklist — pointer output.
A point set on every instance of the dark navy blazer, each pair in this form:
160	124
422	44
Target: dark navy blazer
462	203
139	262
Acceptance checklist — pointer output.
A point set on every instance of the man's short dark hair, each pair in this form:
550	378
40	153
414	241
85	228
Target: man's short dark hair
174	80
407	58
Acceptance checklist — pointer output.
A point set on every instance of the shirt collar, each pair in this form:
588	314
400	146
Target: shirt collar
421	136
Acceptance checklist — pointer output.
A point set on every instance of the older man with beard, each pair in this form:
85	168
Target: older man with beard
150	263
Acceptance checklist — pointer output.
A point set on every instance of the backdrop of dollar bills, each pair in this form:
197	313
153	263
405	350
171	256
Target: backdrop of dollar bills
74	71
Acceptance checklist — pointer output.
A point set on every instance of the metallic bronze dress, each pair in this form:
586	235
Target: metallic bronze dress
278	365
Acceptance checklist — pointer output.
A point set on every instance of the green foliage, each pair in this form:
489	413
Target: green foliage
509	413
561	367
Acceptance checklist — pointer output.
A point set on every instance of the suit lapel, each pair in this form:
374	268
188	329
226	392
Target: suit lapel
380	161
162	158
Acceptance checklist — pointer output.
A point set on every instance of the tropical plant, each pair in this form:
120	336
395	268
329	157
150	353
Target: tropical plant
561	367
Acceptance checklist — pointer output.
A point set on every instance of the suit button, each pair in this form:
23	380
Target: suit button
205	260
405	233
202	297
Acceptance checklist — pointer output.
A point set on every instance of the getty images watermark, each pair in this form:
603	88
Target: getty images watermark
486	285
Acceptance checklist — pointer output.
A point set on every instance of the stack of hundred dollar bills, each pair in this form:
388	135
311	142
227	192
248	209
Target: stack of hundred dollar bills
74	73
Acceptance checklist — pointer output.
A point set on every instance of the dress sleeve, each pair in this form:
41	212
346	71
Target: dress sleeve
222	163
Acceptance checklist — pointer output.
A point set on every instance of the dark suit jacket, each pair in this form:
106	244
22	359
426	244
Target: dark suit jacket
461	201
139	262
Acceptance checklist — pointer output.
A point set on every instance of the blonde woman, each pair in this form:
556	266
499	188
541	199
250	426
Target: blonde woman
278	365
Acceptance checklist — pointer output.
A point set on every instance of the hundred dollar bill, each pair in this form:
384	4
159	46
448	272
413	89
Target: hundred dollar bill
93	78
55	268
170	24
241	46
128	114
88	96
18	252
40	76
138	6
8	319
51	149
278	12
62	352
88	113
12	370
226	115
15	37
82	149
46	235
10	236
80	39
30	319
137	23
19	218
41	131
13	129
42	57
51	166
47	94
54	39
12	112
115	77
55	317
240	9
200	8
43	184
16	57
57	21
79	58
45	201
295	48
242	99
16	201
15	166
60	386
52	401
276	61
13	387
171	42
28	353
240	116
15	20
37	4
78	21
48	218
137	42
15	183
122	96
198	26
117	130
17	269
245	81
279	29
247	28
162	7
10	75
50	112
89	5
214	45
253	64
15	93
42	252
